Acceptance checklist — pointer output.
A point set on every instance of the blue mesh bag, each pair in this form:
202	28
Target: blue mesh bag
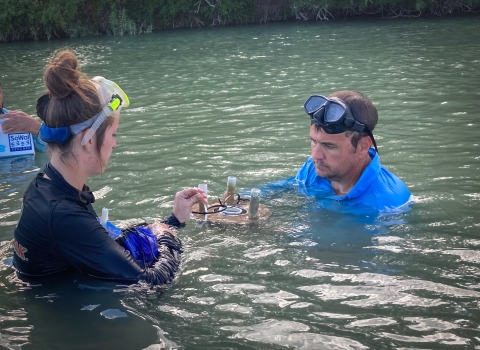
142	244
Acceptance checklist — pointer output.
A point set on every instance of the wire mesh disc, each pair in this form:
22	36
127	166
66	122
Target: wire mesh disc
240	216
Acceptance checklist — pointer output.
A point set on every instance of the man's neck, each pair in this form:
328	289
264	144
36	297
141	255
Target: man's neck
342	186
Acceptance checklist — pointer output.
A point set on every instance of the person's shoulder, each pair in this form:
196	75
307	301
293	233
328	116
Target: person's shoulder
40	145
70	205
68	215
46	193
305	170
39	189
391	180
390	189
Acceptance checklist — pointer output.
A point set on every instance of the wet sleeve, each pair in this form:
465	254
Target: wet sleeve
40	145
86	245
277	187
173	221
164	270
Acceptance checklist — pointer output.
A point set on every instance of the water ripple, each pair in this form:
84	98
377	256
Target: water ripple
292	334
211	103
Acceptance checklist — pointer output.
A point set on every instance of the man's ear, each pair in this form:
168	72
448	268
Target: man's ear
364	144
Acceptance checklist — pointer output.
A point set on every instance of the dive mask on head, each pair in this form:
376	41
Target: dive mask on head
334	116
110	95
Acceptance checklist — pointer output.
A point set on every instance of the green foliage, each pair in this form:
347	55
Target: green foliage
222	12
27	19
48	19
120	23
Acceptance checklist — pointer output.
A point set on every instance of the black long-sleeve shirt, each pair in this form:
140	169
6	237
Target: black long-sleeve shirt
58	230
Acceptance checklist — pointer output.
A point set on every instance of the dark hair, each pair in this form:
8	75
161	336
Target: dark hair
72	98
42	105
364	111
1	106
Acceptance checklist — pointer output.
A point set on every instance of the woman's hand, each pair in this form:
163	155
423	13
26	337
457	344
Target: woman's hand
184	200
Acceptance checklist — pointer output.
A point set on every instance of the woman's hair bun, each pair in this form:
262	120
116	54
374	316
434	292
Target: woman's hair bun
62	76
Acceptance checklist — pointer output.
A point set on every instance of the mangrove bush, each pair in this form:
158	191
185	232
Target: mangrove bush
48	19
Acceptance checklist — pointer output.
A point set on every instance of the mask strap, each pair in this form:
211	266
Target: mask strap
49	134
369	133
106	111
114	104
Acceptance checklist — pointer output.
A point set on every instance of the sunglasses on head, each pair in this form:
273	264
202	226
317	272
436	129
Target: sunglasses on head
334	116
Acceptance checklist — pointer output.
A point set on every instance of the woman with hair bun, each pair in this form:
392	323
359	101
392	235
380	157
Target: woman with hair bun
58	229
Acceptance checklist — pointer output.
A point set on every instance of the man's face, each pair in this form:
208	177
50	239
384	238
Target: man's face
333	154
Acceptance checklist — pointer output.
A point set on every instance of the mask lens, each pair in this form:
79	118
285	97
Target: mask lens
333	113
313	103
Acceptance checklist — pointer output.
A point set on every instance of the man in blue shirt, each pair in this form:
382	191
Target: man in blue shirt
343	165
20	122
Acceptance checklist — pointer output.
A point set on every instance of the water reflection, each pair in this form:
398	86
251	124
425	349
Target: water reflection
292	334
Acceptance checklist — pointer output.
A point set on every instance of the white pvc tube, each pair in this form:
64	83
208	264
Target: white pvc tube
104	217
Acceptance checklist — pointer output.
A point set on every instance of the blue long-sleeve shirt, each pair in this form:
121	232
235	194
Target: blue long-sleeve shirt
40	145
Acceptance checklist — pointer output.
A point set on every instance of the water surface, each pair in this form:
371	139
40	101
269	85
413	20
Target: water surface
210	103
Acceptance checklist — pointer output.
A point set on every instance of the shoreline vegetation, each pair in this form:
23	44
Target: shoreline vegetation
23	20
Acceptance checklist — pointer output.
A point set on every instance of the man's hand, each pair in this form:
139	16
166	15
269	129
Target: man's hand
19	121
